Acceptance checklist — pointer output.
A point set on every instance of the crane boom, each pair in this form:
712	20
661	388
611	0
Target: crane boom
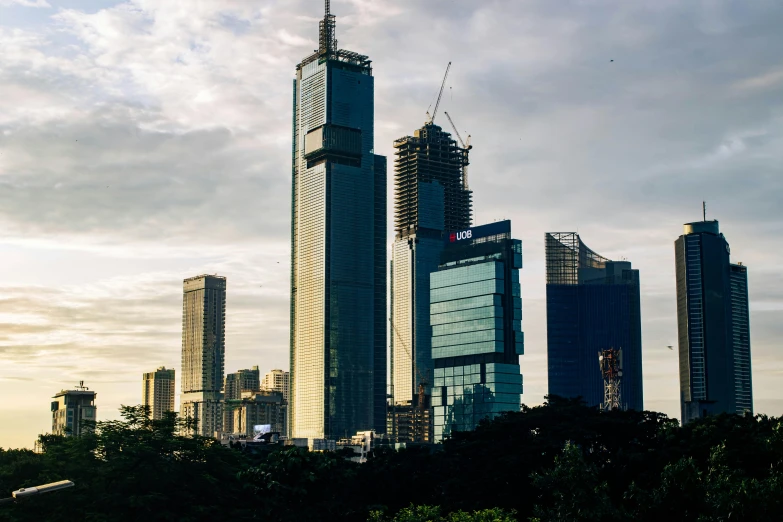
440	93
455	130
465	146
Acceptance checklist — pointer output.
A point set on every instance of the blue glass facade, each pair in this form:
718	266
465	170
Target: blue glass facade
338	248
593	304
713	325
476	321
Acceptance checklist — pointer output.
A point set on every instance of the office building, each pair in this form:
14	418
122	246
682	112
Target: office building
277	380
476	318
592	305
158	392
431	199
713	325
338	247
203	352
241	381
73	411
255	411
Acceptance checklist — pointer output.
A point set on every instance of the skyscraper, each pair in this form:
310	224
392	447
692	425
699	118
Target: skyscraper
338	247
431	198
240	381
713	325
203	352
592	304
157	390
70	409
476	318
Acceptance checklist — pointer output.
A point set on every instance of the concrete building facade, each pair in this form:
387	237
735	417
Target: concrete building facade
71	409
241	381
277	380
203	352
157	392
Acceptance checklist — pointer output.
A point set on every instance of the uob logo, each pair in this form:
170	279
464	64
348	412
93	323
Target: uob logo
458	236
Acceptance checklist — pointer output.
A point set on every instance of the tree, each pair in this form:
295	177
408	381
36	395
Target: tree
433	514
572	491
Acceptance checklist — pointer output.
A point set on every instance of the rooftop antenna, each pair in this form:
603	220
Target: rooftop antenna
704	210
326	41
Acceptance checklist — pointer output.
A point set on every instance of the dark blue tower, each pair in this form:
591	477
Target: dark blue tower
713	325
592	304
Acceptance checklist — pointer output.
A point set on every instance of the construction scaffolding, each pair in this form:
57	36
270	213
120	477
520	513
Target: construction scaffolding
565	255
611	363
431	155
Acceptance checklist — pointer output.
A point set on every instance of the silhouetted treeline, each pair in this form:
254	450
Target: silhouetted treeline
561	461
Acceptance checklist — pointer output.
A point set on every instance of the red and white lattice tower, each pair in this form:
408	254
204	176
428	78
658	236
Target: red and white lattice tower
611	362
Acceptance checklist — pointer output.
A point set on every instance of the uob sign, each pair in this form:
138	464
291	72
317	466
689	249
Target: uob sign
459	236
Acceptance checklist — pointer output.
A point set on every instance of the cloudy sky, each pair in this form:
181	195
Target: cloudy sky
147	141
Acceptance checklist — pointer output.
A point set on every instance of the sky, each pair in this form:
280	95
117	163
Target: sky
148	141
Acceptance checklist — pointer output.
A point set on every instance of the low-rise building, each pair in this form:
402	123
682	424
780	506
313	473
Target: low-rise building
73	411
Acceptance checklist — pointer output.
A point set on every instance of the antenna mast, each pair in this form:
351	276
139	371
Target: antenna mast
611	362
704	209
327	43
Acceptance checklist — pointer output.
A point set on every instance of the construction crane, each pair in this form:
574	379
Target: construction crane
431	119
466	146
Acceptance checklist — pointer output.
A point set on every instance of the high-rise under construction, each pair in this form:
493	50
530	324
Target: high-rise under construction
431	199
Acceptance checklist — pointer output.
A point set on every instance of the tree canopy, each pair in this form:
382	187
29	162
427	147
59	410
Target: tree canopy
561	461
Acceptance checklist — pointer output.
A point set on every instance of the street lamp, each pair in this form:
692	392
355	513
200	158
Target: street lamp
37	490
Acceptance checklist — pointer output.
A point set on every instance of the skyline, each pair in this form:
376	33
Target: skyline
687	111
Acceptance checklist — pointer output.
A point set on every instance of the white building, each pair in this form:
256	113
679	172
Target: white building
157	391
277	380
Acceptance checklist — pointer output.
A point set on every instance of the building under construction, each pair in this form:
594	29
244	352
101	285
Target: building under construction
429	157
431	198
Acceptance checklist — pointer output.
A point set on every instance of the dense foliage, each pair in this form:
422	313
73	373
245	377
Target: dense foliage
561	461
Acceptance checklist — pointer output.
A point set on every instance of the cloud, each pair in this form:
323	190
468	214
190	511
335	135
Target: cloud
149	141
766	80
25	3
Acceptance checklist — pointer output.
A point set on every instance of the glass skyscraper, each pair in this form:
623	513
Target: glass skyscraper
431	197
592	304
713	325
476	318
338	248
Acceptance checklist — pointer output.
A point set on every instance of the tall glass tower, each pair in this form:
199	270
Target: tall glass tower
477	338
713	325
592	304
338	247
431	198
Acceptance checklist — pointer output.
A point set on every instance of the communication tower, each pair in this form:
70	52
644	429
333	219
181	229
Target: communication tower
611	362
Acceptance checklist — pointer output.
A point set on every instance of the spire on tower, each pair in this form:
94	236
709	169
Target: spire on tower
327	43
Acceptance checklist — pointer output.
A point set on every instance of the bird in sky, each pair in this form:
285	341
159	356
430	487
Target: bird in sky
670	347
